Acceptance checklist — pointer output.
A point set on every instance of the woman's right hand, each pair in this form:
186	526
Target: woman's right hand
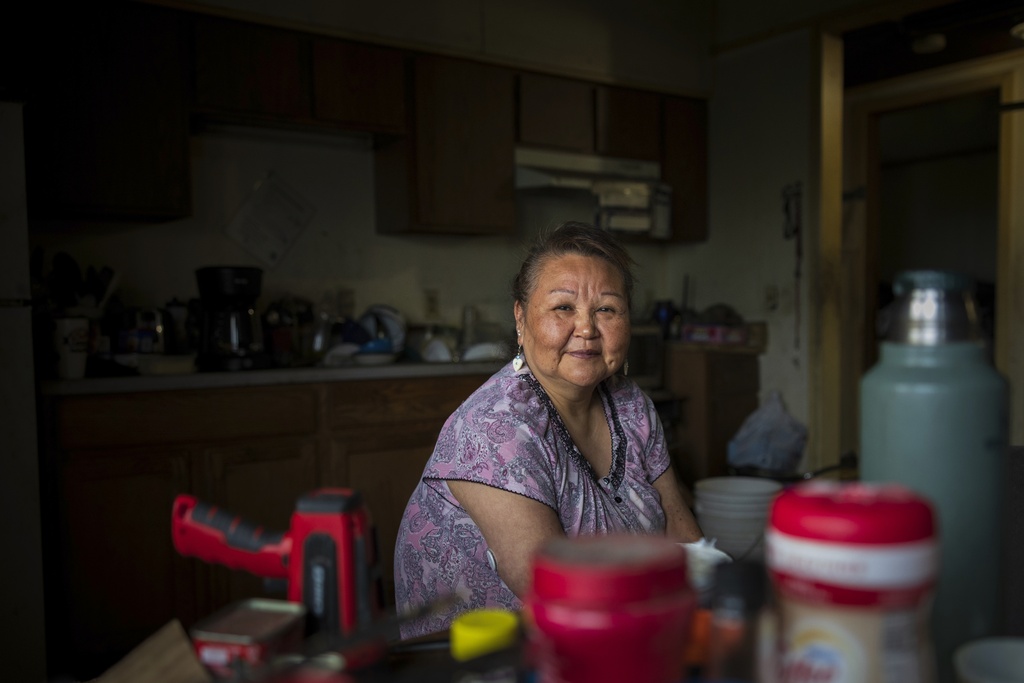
514	526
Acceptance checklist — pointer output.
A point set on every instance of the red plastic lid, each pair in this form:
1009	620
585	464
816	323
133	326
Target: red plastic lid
609	570
853	513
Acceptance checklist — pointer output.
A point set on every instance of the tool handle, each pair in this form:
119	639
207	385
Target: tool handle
205	531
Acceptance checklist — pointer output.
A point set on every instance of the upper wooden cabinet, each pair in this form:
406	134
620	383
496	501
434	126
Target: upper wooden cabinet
684	166
358	86
251	71
628	123
578	116
455	173
106	125
556	112
261	74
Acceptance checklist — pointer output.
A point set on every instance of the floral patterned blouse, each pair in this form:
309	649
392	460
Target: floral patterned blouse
508	435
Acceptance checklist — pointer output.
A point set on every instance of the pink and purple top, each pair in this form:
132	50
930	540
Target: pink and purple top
508	435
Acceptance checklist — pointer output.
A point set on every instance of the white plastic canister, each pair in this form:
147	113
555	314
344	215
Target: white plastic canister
853	567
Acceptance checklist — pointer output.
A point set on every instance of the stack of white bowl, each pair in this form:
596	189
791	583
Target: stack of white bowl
733	511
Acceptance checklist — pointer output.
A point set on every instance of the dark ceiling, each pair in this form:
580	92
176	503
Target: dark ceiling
972	29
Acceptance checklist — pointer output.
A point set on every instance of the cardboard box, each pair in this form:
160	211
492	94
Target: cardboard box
748	336
165	657
714	334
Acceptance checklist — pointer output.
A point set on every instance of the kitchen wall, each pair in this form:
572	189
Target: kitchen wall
760	144
338	249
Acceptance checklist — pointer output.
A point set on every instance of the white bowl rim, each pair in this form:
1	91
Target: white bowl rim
738	485
981	651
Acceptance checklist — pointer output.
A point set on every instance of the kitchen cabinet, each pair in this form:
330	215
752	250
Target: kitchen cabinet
112	576
260	480
578	116
385	431
359	87
556	113
628	123
106	127
455	173
250	72
718	389
266	75
684	166
112	465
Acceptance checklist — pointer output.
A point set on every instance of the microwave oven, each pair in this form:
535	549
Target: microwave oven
646	356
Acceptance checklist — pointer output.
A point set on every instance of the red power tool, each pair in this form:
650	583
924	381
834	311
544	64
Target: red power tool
328	556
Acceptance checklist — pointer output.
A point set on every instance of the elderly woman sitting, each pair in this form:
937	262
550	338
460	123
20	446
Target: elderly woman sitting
558	442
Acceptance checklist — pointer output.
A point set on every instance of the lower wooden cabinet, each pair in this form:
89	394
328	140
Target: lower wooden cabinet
112	465
261	481
113	577
718	390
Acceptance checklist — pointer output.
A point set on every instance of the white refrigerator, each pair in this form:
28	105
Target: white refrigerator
22	643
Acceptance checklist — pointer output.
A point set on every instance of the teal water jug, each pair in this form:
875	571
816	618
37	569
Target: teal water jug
934	417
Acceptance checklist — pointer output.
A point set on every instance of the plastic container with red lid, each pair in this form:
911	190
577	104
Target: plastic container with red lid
610	609
853	566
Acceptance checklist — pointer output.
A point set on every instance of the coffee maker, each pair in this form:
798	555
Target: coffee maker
230	337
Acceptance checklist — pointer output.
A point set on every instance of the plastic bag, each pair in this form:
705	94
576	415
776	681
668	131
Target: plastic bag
769	439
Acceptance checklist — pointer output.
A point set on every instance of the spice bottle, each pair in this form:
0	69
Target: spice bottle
736	615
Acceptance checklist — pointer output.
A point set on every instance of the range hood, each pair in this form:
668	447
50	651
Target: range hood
541	168
629	196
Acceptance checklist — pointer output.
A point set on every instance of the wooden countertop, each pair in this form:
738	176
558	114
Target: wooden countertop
249	378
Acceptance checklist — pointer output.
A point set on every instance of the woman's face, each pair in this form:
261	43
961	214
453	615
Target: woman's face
575	324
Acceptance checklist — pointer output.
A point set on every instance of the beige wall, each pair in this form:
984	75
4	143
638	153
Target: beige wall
760	140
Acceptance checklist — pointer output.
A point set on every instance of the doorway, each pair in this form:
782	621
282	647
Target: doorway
881	174
938	198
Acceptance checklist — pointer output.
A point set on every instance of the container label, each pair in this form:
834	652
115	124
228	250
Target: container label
879	567
853	645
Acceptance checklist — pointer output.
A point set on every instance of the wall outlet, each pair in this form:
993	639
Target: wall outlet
771	298
431	304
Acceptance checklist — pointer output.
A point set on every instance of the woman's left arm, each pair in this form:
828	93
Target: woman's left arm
680	524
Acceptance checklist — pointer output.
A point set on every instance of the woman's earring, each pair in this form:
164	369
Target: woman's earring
625	369
517	362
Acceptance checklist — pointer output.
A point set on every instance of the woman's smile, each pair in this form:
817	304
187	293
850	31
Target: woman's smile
575	326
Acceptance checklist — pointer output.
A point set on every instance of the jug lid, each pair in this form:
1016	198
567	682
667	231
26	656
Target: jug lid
932	307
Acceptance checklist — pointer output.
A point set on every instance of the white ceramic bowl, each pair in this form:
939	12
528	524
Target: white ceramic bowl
990	660
742	488
741	510
726	533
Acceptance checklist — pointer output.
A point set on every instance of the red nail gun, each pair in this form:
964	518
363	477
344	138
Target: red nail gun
328	556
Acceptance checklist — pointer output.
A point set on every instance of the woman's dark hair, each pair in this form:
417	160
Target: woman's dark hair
572	237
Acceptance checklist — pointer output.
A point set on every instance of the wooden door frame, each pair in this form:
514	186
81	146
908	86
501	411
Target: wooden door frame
860	215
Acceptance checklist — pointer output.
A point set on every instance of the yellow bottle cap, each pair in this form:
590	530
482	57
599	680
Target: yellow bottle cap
481	631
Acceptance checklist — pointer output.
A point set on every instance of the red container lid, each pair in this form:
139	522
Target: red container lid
855	513
609	570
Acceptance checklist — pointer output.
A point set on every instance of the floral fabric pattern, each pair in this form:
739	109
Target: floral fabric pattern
509	436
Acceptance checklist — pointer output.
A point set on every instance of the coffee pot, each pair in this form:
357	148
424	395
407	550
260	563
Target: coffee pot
230	337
